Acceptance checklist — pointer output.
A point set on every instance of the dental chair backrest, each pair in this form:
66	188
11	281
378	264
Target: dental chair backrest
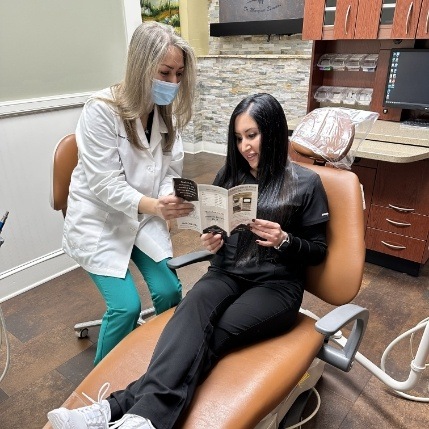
63	163
337	280
326	135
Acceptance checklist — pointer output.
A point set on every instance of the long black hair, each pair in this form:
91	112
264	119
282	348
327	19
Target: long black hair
274	174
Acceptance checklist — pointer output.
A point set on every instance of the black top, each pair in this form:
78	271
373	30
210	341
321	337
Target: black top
148	130
307	233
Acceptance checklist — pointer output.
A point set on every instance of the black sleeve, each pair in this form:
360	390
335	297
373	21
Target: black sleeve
310	248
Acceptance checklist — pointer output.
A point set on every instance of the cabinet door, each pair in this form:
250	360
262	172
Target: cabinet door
405	19
314	11
423	26
329	19
403	187
397	245
402	223
368	19
345	19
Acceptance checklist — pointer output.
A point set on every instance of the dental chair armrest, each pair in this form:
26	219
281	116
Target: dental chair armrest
189	258
332	323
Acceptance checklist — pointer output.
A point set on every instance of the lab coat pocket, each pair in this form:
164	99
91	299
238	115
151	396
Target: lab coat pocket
83	226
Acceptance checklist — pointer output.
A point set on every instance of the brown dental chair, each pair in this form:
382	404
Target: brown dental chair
64	161
254	387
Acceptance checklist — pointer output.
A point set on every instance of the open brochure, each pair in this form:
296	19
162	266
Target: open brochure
217	209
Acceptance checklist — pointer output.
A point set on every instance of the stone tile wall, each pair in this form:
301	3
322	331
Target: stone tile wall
238	66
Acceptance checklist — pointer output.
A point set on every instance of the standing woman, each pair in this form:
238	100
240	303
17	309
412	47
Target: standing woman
121	189
252	290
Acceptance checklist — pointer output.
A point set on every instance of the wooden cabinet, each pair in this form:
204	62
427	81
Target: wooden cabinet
423	25
405	19
396	195
368	19
397	222
312	26
345	19
365	19
404	187
375	81
329	19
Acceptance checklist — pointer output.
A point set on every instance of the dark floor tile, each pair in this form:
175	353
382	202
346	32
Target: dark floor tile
79	366
378	407
40	356
332	410
348	385
27	408
3	396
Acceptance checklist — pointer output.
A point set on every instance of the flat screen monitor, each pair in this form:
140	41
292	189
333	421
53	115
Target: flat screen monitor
407	84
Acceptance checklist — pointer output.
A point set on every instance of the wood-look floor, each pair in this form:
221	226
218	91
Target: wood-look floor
48	361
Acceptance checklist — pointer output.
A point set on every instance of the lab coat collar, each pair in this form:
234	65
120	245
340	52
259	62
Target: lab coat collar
158	128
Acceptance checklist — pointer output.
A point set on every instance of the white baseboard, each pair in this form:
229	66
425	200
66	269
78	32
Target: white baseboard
194	148
34	273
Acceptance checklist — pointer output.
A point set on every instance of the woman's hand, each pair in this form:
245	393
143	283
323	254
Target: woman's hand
212	241
271	233
171	207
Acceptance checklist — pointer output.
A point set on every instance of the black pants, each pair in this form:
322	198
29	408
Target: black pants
218	314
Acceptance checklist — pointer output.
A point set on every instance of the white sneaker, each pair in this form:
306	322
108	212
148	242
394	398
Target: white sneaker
95	416
132	421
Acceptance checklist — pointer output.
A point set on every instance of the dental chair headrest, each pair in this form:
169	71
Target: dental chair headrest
325	135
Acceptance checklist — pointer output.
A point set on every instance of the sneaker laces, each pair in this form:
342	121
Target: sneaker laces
119	422
125	417
96	414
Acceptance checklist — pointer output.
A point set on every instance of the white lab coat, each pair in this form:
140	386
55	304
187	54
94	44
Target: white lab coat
102	222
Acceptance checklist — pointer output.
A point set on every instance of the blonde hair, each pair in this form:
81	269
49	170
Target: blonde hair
133	96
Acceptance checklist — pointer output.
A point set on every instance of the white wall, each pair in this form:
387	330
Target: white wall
34	117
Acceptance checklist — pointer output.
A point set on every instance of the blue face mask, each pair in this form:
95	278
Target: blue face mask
164	93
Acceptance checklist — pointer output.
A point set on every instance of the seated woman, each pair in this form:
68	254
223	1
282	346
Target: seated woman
253	288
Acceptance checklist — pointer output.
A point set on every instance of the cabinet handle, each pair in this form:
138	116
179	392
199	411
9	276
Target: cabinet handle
400	209
347	18
393	222
408	17
392	246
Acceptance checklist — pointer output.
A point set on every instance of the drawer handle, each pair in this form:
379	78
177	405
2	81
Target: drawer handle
408	17
400	209
392	246
393	222
347	19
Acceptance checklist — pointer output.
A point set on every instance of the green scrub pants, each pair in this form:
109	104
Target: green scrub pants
123	304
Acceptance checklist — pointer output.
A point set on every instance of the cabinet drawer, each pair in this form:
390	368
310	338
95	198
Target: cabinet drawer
404	186
397	245
391	220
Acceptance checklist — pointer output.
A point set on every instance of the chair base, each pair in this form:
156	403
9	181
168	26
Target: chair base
82	329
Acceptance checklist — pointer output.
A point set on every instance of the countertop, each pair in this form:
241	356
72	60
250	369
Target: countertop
390	142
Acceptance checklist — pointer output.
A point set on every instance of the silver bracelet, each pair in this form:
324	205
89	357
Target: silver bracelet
286	240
